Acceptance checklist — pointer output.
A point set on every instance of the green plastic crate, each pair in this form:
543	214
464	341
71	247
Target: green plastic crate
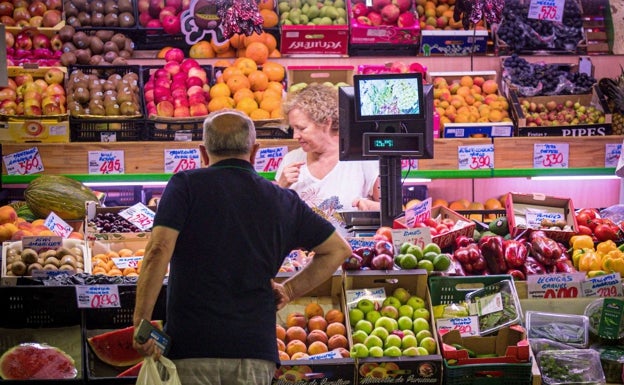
488	374
445	290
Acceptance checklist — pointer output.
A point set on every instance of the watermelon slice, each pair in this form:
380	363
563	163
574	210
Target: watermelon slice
115	347
33	361
132	371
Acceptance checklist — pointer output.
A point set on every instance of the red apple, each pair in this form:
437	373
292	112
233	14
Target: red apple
192	90
33	110
375	18
194	81
56	88
37	8
7	21
21	13
172	67
155	6
359	9
197	99
379	4
41	84
41	41
161	93
6	8
181	102
161	73
54	76
166	11
165	108
144	18
54	4
149	95
175	55
171	25
9	39
143	6
8	94
51	109
153	23
390	13
23	41
23	79
181	112
199	109
178	93
51	18
406	20
175	4
363	20
187	64
404	5
198	72
8	107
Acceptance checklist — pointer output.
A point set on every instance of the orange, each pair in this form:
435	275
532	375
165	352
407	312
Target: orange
162	52
266	4
276	87
230	71
269	17
139	253
439	202
225	54
112	254
270	41
277	114
272	93
246	65
275	53
247	105
243	92
236	82
125	252
222	63
240	52
114	272
258	95
237	41
274	71
98	270
218	48
270	103
128	270
220	89
254	37
260	114
201	50
219	103
258	80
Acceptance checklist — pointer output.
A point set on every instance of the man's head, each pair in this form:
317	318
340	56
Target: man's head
229	134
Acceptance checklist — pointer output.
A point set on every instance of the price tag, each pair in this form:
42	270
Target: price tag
550	155
41	243
106	162
418	213
562	285
183	136
376	295
357	242
613	152
549	10
534	219
108	137
181	159
57	225
139	215
475	157
125	262
409	164
467	326
419	236
24	162
608	285
268	159
97	296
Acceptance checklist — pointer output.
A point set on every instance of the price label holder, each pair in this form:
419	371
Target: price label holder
57	225
466	326
608	285
181	159
548	10
475	157
106	162
268	159
125	262
534	218
108	136
139	215
551	155
562	285
374	295
613	152
23	162
97	296
183	136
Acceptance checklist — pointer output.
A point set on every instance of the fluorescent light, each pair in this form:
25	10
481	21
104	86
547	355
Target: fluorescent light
116	184
575	177
417	180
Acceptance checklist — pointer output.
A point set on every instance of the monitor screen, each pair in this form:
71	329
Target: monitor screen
388	97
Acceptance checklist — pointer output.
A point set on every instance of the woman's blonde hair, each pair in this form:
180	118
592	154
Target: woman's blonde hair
318	101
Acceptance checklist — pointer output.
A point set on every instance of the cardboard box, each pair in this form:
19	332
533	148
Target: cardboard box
453	43
478	130
312	40
329	295
393	370
524	208
510	345
319	74
596	99
444	240
383	34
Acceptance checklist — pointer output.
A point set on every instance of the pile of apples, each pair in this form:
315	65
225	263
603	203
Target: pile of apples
163	14
32	46
36	13
179	89
27	96
396	13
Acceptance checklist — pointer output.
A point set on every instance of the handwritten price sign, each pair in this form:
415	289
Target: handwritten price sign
57	225
466	326
560	285
475	157
613	152
139	215
125	262
549	10
24	162
181	159
97	296
608	285
106	162
551	155
269	159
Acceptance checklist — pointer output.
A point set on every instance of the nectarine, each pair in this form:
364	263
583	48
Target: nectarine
296	333
316	335
281	346
317	347
334	315
336	328
7	214
300	356
317	322
313	309
296	346
283	356
337	341
280	332
295	319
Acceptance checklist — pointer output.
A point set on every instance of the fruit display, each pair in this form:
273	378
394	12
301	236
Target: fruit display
18	223
115	347
62	195
430	257
104	263
520	33
599	228
614	91
31	13
312	331
165	14
34	361
399	325
95	47
110	222
560	111
384	12
34	47
24	261
34	93
312	12
99	13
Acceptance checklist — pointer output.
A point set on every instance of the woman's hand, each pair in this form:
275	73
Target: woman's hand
290	174
365	204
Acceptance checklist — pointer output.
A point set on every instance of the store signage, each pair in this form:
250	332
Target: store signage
125	262
139	215
106	162
268	159
23	162
561	285
418	213
57	225
613	152
549	10
419	236
608	285
466	326
97	296
475	157
181	159
551	155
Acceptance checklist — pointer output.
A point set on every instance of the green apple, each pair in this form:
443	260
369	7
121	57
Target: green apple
364	325
391	301
420	324
432	247
430	344
359	336
425	264
430	256
392	340
390	311
402	294
375	351
405	323
380	332
393	351
416	251
366	305
408	331
422	334
411	351
422	313
406	311
373	316
408	262
358	350
387	323
442	262
409	341
373	341
404	247
422	351
355	315
416	302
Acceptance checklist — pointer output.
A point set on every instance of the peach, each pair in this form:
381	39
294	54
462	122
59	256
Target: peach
6	232
337	341
75	235
316	335
283	356
296	333
343	352
7	214
281	346
295	319
317	322
334	315
19	234
336	328
317	347
280	332
490	87
313	309
296	346
45	233
300	356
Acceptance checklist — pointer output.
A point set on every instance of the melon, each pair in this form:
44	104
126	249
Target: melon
33	361
62	195
115	347
132	371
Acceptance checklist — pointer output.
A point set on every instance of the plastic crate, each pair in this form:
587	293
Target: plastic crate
447	290
156	38
483	215
488	374
174	130
381	49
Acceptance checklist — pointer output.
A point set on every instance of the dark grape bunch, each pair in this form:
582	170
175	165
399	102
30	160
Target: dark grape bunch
533	79
113	223
521	33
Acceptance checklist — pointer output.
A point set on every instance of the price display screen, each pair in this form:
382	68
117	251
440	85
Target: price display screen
398	144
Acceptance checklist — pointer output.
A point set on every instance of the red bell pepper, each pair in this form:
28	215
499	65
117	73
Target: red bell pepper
492	250
515	252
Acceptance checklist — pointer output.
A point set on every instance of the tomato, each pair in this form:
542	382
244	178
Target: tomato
584	230
583	219
449	222
442	228
604	232
383	233
431	222
592	213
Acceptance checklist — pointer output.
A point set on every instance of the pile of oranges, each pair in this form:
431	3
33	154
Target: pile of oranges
103	263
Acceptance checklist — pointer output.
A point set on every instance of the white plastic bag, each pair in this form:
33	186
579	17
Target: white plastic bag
163	372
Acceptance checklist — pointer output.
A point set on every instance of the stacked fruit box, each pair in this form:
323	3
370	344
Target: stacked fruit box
300	76
159	24
34	109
